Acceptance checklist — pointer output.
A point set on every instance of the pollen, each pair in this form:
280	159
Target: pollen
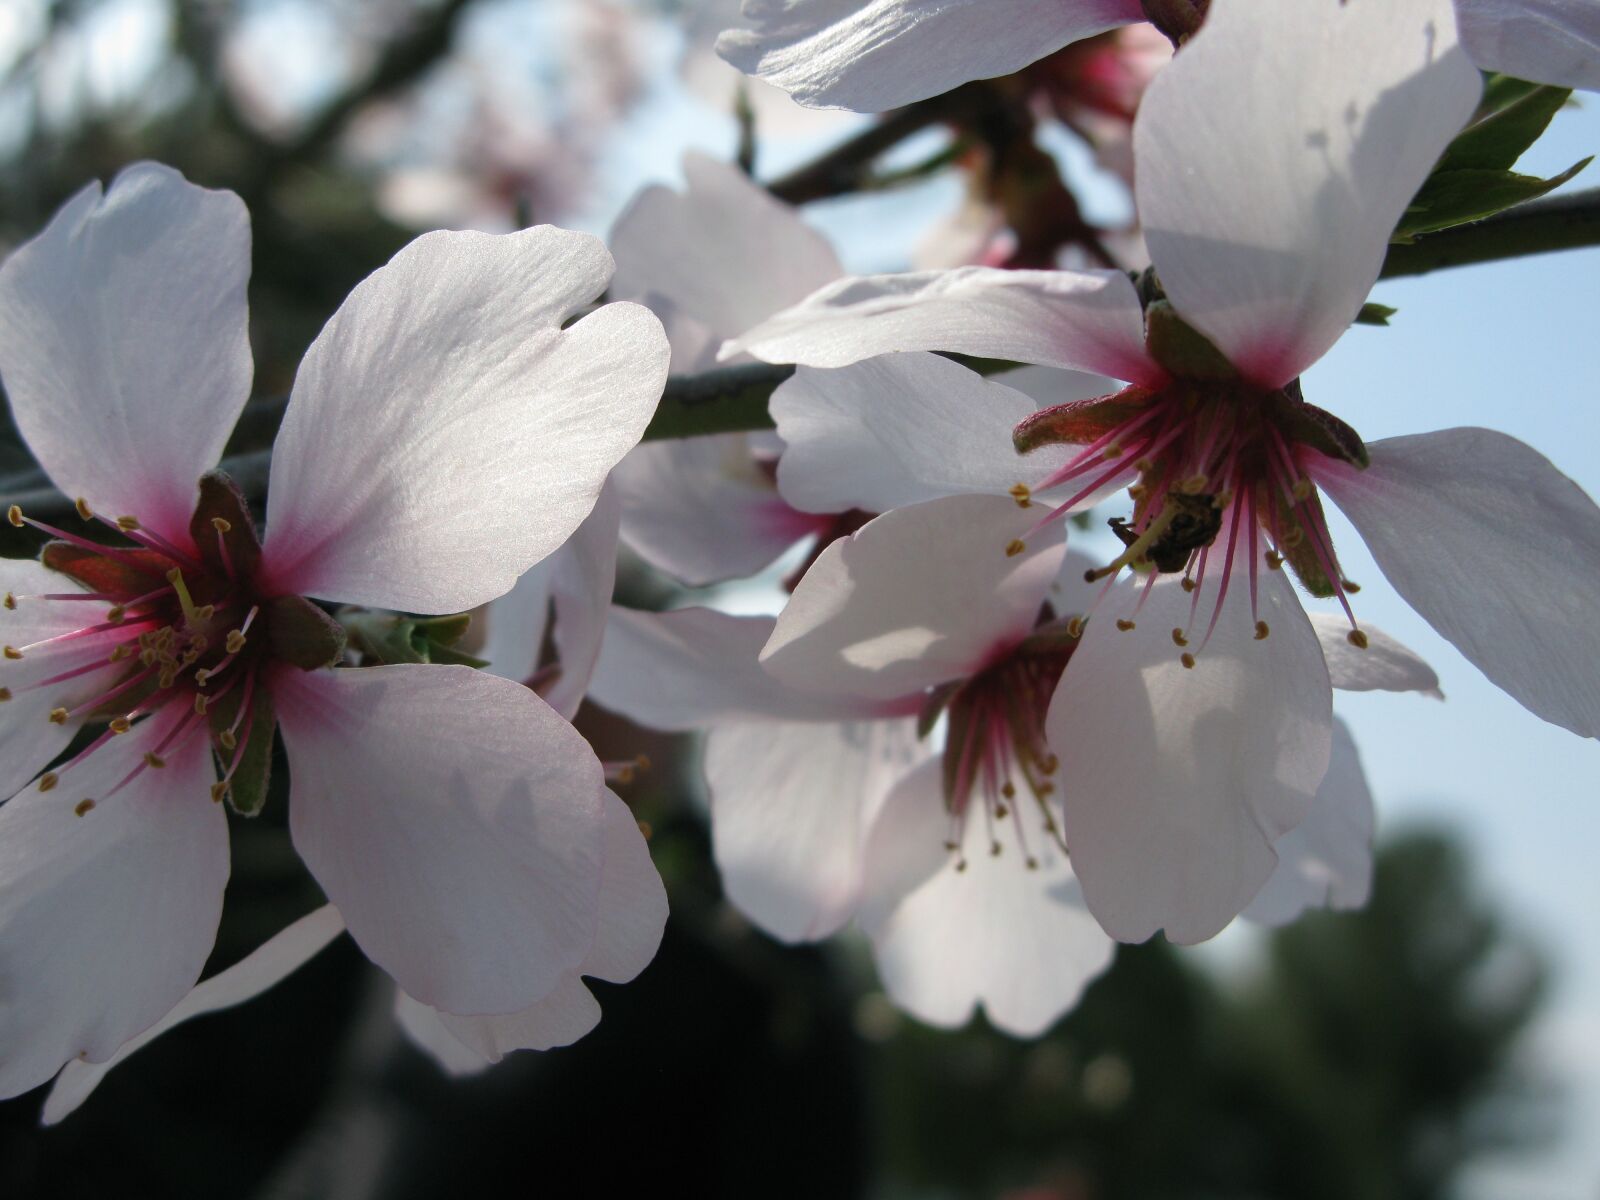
1187	660
200	706
1015	547
121	725
115	613
218	791
1125	625
127	524
1262	631
221	524
11	600
1357	638
1178	639
5	694
152	759
82	806
235	642
14	515
1021	494
227	740
58	716
12	652
48	780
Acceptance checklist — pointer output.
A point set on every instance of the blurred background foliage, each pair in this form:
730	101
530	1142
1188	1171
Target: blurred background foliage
1350	1055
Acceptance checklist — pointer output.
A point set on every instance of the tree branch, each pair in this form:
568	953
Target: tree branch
1567	222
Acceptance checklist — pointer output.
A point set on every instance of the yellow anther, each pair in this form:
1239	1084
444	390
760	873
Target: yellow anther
1187	584
1015	547
205	612
1178	639
1274	560
84	511
1111	451
147	656
1138	491
227	740
48	780
1221	501
625	775
235	642
201	676
127	524
1144	466
1033	863
1194	485
1294	537
1000	811
642	762
1187	660
1262	631
11	600
58	716
1301	489
218	791
1008	789
1021	493
1075	627
1124	624
168	677
14	515
1050	764
1045	787
200	706
121	652
120	725
5	694
82	806
994	849
152	759
115	613
221	524
952	846
961	864
1357	639
1350	586
12	652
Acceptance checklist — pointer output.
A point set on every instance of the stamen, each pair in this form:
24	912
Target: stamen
12	652
1178	639
82	806
85	513
1021	494
1187	660
1015	547
58	716
1357	638
1125	625
48	780
1262	631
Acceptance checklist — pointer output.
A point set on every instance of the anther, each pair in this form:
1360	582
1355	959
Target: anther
218	791
952	846
121	652
115	613
147	656
1075	627
994	849
48	780
221	524
1144	466
961	864
1194	485
168	677
646	830
1049	765
1262	631
201	676
11	601
1113	451
1187	660
1301	489
1357	639
85	513
1033	863
205	612
12	652
1274	560
1294	537
127	524
1350	586
1221	501
14	515
1021	494
58	716
1000	811
152	759
1124	624
1178	639
82	806
1009	791
642	762
5	694
1015	547
235	642
227	740
121	725
1045	788
199	706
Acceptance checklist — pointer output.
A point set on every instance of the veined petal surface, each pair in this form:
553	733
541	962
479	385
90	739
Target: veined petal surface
1547	41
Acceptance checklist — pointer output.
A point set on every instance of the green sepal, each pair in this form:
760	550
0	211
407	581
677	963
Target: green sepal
1078	422
392	638
1516	118
1375	314
247	790
1457	197
221	498
1181	348
1302	558
130	573
301	634
1308	425
935	704
956	736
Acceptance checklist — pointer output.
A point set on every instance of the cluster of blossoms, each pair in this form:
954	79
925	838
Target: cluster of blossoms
996	755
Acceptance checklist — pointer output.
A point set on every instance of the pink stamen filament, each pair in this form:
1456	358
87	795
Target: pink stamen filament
123	626
187	726
151	540
99	701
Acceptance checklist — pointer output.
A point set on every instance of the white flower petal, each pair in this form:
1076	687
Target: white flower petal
445	433
1077	320
872	55
455	820
693	667
466	1045
915	597
1017	940
585	574
123	342
1277	153
1178	782
264	967
1326	860
633	903
1384	665
1498	550
106	918
515	624
900	429
1547	41
725	253
790	807
703	510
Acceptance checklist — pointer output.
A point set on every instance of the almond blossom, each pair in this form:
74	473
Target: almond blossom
1267	210
444	433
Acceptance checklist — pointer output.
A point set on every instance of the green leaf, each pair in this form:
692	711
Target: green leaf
1496	141
1375	314
1457	197
393	638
